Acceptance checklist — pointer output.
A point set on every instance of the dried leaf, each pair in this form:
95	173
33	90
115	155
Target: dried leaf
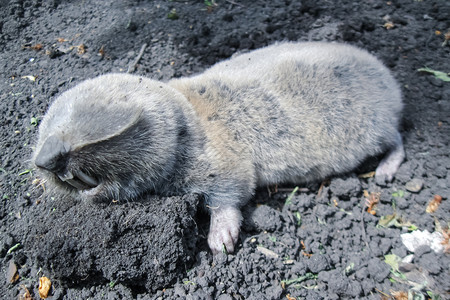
367	175
36	47
102	51
24	294
396	221
44	287
81	49
399	295
32	78
389	25
306	254
267	252
371	200
434	204
303	244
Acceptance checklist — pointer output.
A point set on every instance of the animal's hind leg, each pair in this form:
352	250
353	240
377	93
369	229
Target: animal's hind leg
391	162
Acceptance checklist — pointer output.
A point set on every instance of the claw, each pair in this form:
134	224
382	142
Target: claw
224	229
89	180
80	181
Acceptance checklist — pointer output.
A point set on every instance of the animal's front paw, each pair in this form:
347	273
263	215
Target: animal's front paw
390	163
224	229
384	173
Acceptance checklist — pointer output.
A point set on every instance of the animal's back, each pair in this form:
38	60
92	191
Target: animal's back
303	110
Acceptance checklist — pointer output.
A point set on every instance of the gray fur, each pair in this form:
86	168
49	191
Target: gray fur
292	112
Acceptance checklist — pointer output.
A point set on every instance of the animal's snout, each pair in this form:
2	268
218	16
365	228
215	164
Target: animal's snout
53	157
53	154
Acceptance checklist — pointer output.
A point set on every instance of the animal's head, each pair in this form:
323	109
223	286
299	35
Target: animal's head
109	138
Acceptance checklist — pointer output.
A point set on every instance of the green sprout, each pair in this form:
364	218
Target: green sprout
438	74
291	195
173	14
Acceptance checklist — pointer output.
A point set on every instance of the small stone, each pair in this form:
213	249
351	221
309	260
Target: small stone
378	270
429	262
345	188
414	185
417	238
12	275
266	218
318	263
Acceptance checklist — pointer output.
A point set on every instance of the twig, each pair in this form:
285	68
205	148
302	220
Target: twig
363	229
232	2
132	66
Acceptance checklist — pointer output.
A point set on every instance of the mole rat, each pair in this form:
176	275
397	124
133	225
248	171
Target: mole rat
290	112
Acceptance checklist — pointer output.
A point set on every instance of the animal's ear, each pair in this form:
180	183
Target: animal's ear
104	124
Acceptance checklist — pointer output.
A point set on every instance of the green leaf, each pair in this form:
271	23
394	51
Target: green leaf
307	276
349	269
392	260
395	220
299	218
25	172
13	248
291	195
173	15
438	74
33	121
412	227
398	194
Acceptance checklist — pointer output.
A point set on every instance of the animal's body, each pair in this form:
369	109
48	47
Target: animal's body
292	112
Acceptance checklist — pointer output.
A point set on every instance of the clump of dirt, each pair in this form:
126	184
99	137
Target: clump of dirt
319	242
144	244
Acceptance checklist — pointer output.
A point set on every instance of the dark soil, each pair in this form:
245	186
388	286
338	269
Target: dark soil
319	244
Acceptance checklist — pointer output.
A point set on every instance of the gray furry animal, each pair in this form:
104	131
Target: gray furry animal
291	112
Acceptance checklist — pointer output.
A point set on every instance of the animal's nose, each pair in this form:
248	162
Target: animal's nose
52	155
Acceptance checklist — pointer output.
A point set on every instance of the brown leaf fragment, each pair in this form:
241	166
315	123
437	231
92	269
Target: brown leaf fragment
434	204
24	293
102	51
306	254
44	287
446	38
61	40
12	275
81	49
335	202
367	175
389	25
289	297
30	77
399	295
267	252
37	47
372	199
303	244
